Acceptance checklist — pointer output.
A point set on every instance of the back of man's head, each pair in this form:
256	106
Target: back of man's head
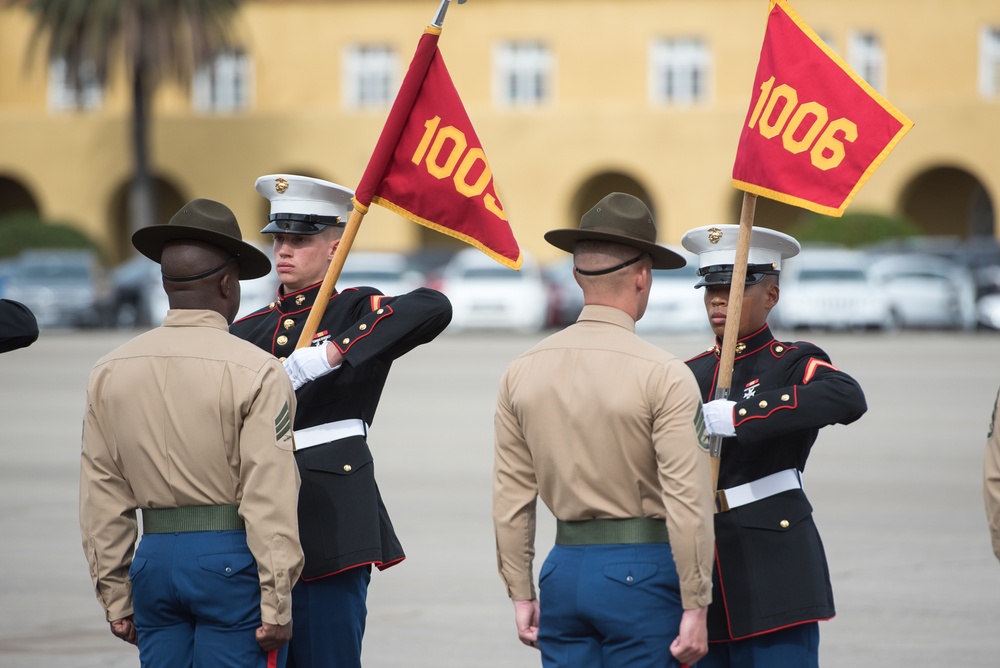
591	261
199	275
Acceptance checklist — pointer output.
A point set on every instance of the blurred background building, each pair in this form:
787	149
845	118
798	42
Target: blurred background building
570	98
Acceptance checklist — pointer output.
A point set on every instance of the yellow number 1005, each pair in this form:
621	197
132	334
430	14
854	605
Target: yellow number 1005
457	163
827	149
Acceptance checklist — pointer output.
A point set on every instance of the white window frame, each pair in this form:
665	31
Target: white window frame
225	85
523	74
680	71
370	76
867	58
989	62
63	96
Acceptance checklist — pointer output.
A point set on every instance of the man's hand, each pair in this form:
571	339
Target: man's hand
124	628
691	644
719	417
526	618
272	637
310	363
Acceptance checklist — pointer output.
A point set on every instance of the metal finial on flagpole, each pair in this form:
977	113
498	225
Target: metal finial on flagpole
442	10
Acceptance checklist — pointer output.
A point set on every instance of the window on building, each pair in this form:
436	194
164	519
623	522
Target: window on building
223	85
679	71
371	76
522	74
867	59
67	92
989	62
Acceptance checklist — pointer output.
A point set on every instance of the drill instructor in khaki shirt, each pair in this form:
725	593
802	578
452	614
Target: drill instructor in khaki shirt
192	426
605	428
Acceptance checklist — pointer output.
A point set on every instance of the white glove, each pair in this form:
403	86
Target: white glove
307	364
719	417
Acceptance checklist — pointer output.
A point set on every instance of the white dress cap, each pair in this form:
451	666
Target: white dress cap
716	245
302	195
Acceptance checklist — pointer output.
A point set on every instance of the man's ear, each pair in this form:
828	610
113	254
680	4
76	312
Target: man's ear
225	285
773	293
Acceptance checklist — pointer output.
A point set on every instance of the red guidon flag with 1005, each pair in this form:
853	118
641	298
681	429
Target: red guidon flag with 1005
429	166
815	130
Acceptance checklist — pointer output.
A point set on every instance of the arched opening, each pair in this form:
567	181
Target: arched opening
948	201
15	198
598	186
168	201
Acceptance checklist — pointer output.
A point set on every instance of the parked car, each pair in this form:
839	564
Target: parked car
988	310
63	288
487	295
564	295
927	290
831	289
675	305
134	282
390	273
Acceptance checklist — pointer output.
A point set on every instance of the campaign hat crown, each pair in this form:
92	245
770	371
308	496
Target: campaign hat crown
208	221
623	219
715	246
303	205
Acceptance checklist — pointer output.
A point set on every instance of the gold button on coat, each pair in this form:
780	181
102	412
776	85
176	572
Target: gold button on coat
362	327
784	524
346	341
763	404
380	311
347	467
743	412
779	349
288	324
281	340
785	397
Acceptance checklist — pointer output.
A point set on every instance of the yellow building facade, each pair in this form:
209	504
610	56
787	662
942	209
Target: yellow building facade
594	120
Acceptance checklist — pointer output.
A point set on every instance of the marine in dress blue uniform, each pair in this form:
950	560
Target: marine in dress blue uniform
771	583
344	526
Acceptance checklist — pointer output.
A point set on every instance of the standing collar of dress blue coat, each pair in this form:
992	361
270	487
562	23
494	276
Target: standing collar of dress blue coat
748	344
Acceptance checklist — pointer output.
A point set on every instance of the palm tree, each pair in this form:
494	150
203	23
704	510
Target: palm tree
155	39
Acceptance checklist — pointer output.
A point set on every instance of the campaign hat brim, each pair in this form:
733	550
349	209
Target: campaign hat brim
213	224
663	258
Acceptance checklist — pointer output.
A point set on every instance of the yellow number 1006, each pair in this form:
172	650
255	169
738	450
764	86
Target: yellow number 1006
827	149
457	163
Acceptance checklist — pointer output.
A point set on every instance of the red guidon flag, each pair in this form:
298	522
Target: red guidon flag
429	166
815	130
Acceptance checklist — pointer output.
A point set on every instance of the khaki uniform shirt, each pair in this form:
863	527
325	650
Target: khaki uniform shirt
189	415
601	425
991	477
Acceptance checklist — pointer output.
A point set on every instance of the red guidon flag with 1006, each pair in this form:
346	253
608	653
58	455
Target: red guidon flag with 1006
815	130
429	166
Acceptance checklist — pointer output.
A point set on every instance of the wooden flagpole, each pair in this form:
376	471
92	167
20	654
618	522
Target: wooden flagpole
734	311
330	280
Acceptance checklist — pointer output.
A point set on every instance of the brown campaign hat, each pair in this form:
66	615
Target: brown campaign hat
623	219
209	221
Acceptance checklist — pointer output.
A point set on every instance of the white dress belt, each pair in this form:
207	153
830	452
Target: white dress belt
741	495
331	431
